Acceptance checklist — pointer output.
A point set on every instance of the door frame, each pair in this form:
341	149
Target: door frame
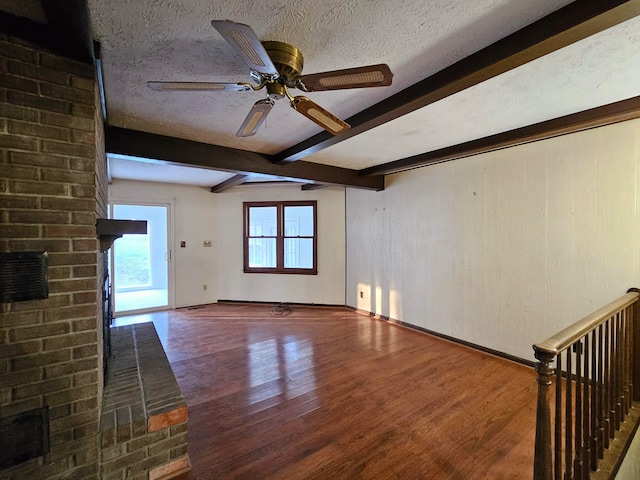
150	202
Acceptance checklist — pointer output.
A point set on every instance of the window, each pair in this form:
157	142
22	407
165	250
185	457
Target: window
280	237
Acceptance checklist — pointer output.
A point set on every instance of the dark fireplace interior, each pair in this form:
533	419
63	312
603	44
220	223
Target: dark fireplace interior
107	316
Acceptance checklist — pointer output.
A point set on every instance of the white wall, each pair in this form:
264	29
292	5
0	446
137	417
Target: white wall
201	215
502	249
327	287
193	220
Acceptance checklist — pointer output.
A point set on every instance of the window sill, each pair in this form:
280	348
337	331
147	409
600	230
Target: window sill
289	271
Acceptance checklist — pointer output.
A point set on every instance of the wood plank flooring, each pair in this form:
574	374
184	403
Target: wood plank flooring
327	393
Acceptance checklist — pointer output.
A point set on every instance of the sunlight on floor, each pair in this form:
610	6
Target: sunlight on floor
160	321
140	299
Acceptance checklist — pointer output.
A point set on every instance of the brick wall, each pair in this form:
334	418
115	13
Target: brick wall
101	212
51	189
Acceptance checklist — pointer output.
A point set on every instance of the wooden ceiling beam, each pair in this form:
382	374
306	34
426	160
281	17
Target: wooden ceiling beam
595	117
25	28
237	179
312	186
195	154
51	38
69	23
576	21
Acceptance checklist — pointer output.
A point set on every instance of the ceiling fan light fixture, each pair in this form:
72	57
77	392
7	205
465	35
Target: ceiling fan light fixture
256	118
319	115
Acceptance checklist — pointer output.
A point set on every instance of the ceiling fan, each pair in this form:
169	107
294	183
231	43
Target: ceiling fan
278	67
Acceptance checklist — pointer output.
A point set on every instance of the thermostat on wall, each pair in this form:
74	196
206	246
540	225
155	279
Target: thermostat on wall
207	243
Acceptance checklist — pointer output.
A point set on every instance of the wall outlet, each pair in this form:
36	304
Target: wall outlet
361	294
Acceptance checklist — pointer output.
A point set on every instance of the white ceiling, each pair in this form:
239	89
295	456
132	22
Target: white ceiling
601	69
173	40
129	168
150	170
170	40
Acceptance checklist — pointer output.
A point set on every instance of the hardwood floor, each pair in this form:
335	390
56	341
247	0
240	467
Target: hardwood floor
327	393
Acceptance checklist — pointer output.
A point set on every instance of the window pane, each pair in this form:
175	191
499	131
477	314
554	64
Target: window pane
262	252
298	221
262	221
298	253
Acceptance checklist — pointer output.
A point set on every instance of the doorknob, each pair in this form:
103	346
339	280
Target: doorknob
167	255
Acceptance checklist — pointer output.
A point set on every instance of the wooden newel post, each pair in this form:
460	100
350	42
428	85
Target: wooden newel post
543	462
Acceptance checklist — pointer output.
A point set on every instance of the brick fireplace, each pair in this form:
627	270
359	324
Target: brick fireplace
53	188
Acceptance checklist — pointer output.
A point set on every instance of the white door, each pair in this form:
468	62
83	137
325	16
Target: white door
140	263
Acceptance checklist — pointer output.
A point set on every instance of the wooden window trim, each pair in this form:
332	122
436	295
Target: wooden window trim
280	238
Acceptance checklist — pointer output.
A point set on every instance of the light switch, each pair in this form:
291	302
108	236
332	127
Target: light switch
183	244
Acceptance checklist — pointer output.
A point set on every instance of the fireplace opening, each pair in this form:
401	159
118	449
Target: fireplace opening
107	317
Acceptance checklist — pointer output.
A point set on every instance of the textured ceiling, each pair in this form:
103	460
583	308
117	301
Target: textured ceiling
149	170
601	69
127	168
168	40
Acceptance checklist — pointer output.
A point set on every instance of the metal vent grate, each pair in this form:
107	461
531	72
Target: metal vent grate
24	436
23	276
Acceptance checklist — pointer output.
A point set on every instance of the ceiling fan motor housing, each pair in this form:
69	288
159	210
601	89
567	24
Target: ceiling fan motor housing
287	59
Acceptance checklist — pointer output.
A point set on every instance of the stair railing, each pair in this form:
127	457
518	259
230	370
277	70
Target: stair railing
596	367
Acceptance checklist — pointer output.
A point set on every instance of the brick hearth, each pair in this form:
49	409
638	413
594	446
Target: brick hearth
144	417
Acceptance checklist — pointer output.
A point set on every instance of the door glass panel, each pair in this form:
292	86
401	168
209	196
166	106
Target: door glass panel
133	264
141	262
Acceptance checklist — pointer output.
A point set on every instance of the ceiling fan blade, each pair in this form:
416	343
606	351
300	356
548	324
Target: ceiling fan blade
319	115
194	86
243	39
256	117
358	77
